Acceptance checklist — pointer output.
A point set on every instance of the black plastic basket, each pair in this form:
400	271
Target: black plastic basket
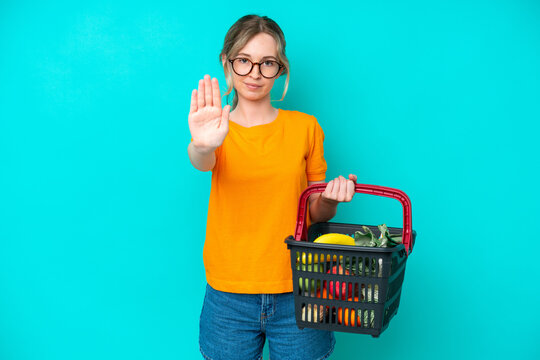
347	288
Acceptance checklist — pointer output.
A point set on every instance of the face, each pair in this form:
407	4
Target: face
253	86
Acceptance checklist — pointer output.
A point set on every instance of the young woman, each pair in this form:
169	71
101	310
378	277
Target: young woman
261	159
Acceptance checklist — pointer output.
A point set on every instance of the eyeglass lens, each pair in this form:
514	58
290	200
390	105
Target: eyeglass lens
267	68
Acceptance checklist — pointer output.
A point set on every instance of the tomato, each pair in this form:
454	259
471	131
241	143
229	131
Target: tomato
339	290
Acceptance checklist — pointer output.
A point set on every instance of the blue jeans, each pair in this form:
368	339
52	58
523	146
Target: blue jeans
235	326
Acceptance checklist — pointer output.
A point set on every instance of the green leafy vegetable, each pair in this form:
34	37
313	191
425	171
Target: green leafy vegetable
367	238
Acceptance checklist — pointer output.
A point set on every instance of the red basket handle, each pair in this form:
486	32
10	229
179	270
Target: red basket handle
301	230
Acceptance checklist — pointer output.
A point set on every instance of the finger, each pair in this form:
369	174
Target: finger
328	190
335	190
215	92
350	190
193	105
225	116
342	195
207	90
200	95
353	177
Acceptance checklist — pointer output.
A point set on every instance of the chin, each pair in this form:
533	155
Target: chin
252	96
255	98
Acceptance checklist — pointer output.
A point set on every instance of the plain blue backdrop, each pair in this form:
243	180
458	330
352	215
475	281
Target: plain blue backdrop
102	217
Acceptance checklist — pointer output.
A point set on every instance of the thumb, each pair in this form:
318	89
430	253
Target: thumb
225	115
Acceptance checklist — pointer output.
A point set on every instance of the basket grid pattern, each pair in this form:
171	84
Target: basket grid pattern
345	288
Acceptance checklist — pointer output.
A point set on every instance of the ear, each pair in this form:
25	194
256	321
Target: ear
223	59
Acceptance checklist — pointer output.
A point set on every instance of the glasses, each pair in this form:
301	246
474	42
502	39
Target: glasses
268	68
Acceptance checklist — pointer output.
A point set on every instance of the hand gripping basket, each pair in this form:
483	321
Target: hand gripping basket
347	288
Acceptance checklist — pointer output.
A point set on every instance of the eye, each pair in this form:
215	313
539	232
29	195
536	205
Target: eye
243	60
269	63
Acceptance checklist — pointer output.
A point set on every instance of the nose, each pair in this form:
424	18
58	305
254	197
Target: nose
255	73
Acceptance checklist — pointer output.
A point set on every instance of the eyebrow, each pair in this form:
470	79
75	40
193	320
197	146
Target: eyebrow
264	57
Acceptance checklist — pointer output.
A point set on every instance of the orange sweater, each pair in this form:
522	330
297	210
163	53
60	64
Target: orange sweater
259	175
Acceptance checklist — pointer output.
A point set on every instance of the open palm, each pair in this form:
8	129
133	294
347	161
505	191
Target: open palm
208	122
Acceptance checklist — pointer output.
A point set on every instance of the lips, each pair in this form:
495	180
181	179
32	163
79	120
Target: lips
252	86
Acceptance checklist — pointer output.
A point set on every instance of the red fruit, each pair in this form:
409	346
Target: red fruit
339	290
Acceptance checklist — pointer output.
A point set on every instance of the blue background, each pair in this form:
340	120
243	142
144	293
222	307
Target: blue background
102	217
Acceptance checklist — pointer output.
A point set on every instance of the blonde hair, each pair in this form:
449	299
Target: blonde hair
238	36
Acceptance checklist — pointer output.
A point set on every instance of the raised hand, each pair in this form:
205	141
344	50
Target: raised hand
208	122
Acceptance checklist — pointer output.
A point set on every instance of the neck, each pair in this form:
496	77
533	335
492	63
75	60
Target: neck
252	113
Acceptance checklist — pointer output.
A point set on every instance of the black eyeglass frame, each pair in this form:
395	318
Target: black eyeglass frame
253	64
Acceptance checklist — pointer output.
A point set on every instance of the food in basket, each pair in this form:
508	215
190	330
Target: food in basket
317	316
343	316
308	258
304	282
366	267
369	318
372	293
369	239
365	238
339	291
319	311
335	238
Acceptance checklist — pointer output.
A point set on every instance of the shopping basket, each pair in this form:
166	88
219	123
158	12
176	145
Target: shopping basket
345	288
